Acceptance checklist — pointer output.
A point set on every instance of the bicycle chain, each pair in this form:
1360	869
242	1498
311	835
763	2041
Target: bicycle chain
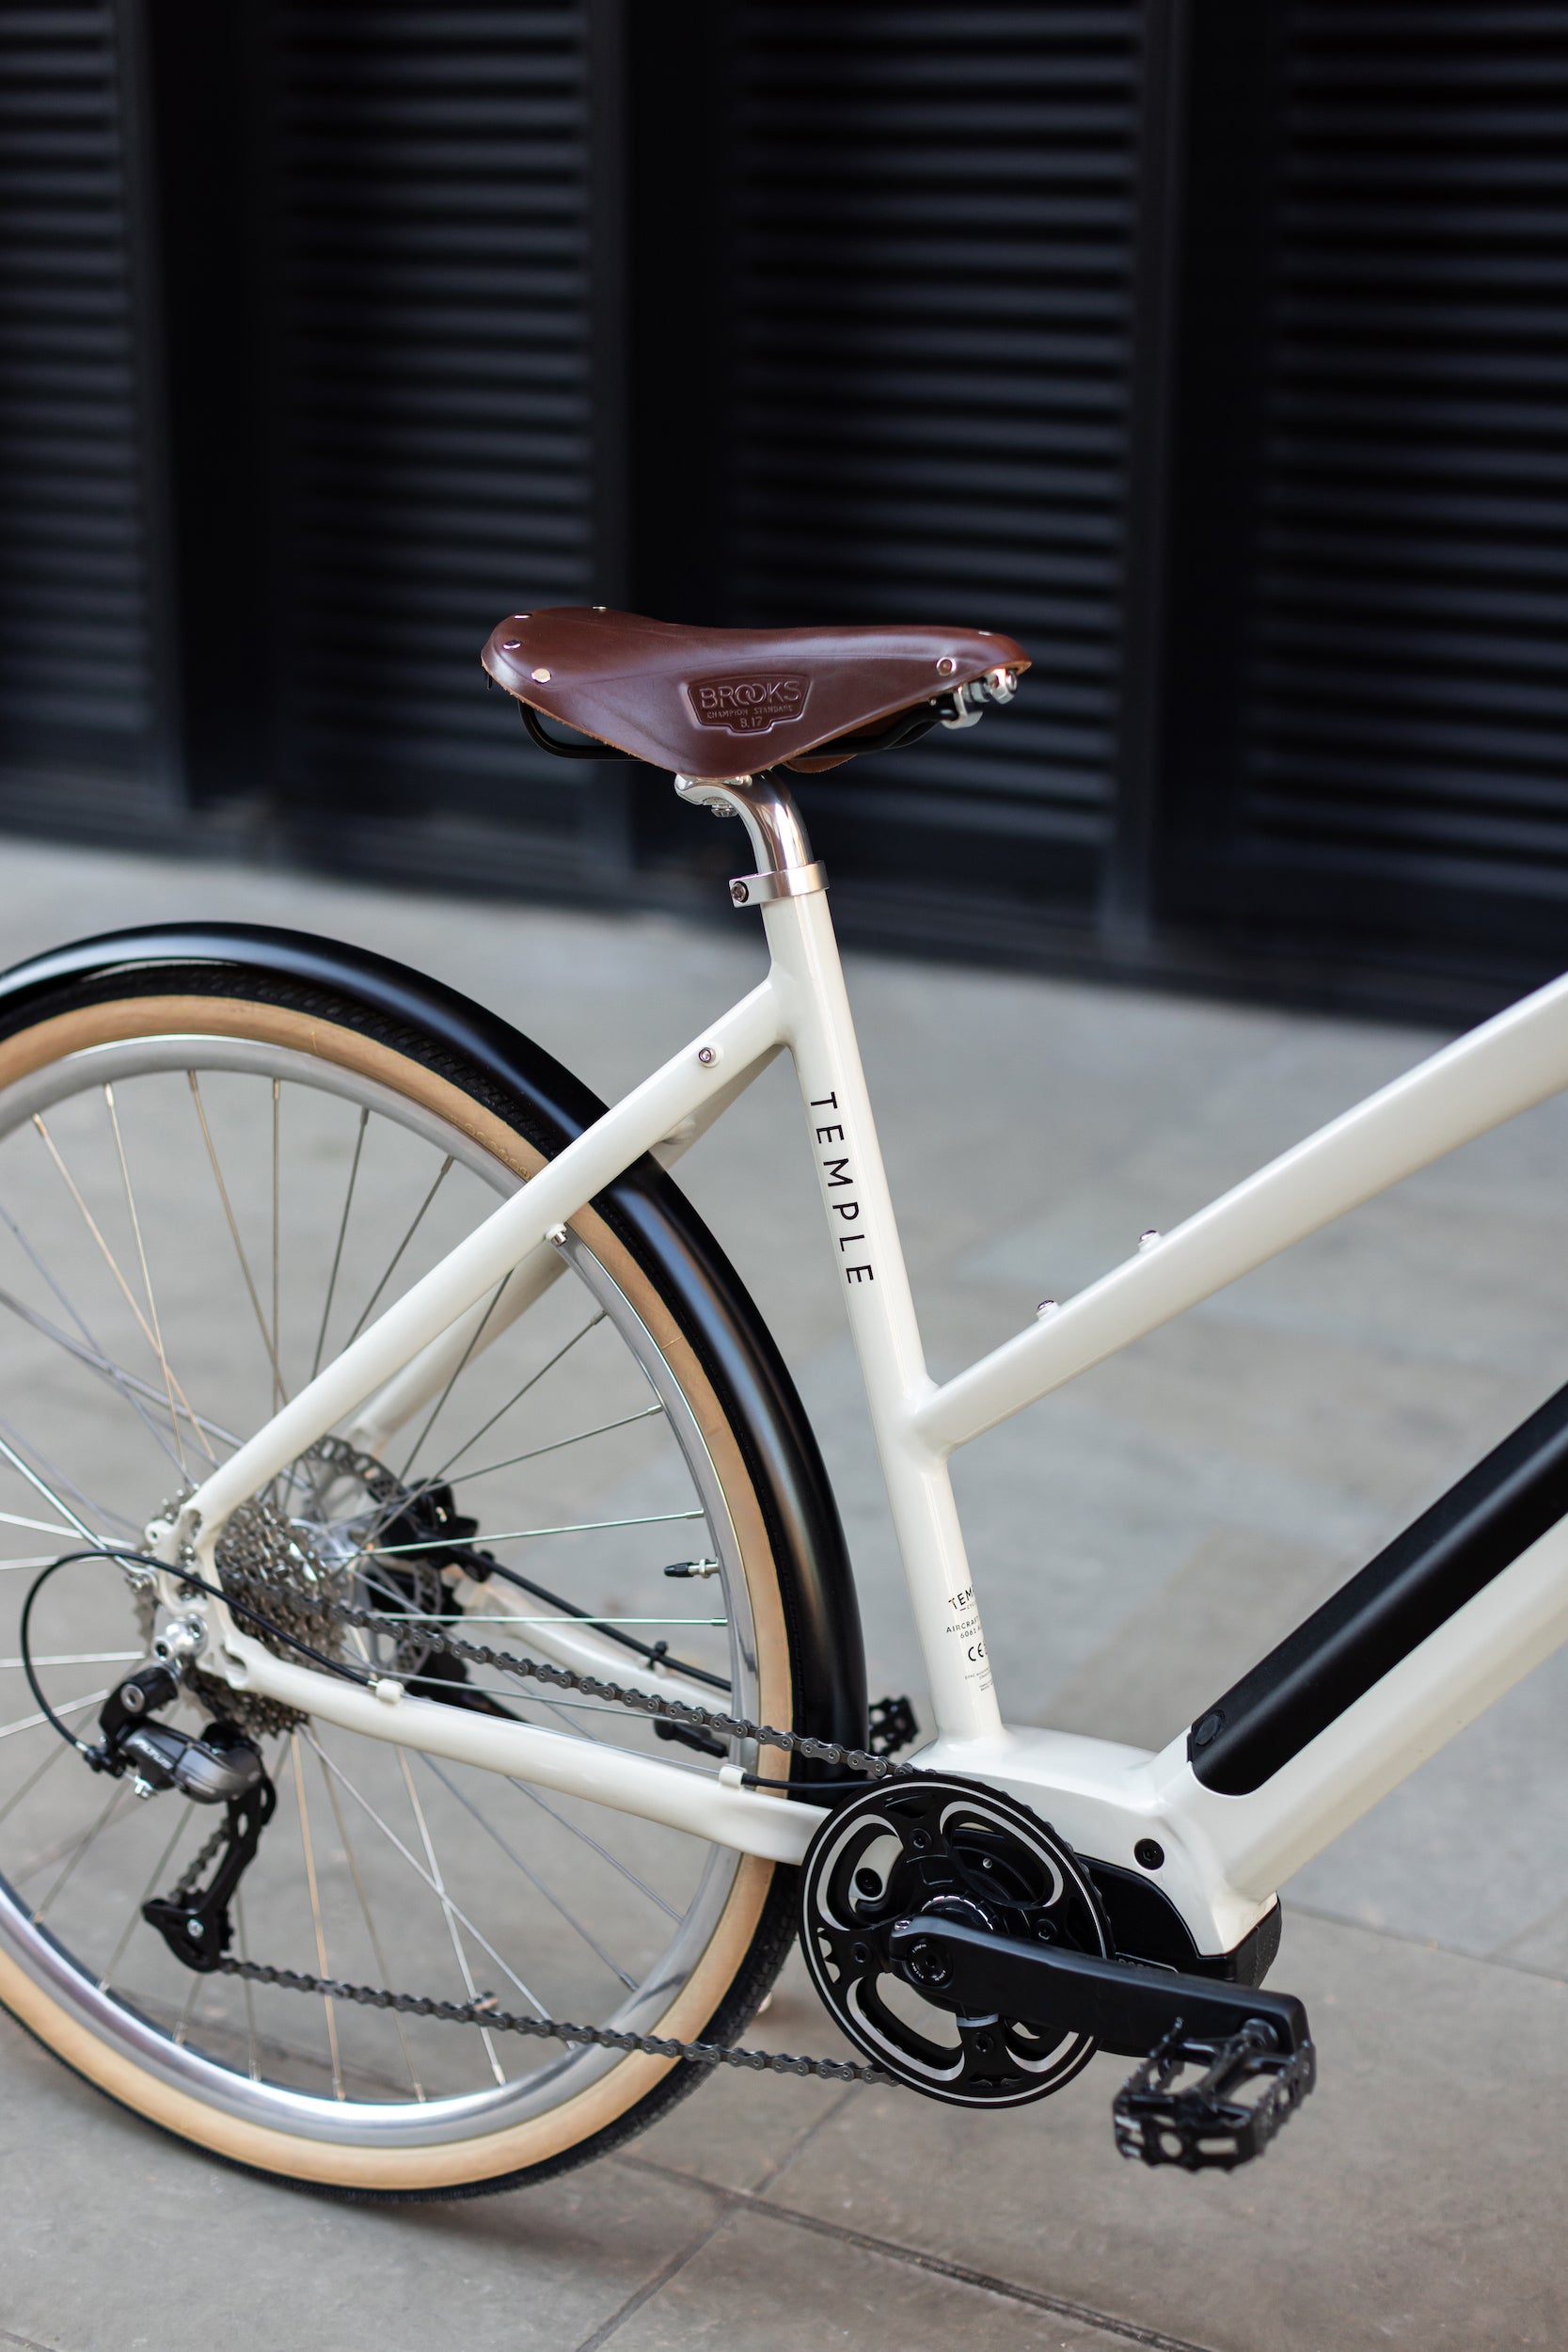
483	2011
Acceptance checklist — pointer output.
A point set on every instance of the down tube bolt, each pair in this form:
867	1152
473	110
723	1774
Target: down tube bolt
1148	1853
707	1056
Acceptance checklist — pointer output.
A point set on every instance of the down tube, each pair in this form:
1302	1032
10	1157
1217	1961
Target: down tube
1256	1841
868	1261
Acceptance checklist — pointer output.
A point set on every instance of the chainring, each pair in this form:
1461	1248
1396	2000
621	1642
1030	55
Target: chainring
936	1847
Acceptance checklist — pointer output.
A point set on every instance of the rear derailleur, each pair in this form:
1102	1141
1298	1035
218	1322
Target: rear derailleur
966	1949
221	1767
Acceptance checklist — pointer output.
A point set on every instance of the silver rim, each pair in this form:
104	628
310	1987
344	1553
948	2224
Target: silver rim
176	1251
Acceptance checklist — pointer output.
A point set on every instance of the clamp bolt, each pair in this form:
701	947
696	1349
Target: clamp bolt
927	1965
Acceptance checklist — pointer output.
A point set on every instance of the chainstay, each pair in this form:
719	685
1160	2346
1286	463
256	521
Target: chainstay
708	1719
486	2014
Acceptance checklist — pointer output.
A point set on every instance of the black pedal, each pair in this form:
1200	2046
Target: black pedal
1208	2123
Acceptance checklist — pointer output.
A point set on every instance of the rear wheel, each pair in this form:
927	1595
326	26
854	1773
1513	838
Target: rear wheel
206	1186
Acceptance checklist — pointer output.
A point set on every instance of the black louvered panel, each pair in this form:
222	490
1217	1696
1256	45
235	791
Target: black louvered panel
77	663
932	284
437	438
1409	720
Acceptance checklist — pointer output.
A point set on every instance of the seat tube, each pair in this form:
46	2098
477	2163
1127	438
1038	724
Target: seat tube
862	1238
868	1264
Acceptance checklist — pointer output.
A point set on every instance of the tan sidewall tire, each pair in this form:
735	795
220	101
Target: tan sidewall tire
548	2139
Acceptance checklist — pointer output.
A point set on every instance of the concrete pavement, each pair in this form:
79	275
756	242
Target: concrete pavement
1135	1542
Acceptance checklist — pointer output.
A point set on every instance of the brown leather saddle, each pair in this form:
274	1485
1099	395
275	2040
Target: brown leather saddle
726	702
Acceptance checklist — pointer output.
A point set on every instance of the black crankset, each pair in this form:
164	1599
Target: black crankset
937	1903
948	1851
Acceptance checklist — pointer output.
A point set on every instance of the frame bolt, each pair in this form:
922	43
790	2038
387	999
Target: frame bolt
1148	1853
740	893
1208	1730
558	1236
1047	1307
707	1056
1147	1240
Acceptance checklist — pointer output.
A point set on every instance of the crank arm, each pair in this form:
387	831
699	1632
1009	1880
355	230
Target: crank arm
1126	2006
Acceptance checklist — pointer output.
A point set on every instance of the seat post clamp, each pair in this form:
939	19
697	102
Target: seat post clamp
792	881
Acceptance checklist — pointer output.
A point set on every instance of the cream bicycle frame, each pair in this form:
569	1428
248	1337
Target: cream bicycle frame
1224	1855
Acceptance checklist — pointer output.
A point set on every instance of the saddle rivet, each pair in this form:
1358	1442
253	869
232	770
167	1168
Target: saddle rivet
510	645
946	665
541	677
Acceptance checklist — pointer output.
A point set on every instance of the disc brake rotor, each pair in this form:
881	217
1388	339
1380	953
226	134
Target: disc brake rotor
943	1848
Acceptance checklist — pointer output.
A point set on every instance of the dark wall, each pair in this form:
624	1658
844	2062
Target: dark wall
1213	348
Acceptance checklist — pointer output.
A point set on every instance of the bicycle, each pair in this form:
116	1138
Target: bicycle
387	1812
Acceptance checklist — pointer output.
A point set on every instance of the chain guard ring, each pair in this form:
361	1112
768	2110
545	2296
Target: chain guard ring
937	1846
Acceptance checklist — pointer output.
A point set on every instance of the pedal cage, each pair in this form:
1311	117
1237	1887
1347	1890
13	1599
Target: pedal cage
1204	2125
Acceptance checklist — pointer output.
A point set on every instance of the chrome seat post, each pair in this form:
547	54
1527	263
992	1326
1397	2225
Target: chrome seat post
780	843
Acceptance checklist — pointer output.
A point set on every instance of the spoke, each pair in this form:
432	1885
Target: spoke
532	1876
249	1997
109	1258
550	1365
472	1616
91	1838
184	2027
56	1753
370	1923
522	1535
78	1527
146	1277
71	1706
446	1165
316	1913
473	1343
525	1788
235	1234
39	1527
485	2034
276	1124
86	1350
146	1896
418	1868
644	1413
343	1233
131	1387
81	1657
